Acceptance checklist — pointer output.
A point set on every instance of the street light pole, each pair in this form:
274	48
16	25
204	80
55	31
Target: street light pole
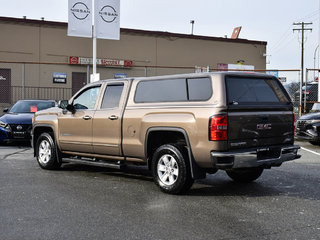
314	62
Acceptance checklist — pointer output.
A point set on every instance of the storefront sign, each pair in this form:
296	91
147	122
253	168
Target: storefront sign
59	77
102	62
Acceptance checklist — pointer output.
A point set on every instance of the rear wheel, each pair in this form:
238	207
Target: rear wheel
171	170
46	152
245	175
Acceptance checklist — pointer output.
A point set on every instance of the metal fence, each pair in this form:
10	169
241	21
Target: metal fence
46	93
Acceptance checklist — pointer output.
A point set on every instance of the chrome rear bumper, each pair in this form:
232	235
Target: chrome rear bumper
264	156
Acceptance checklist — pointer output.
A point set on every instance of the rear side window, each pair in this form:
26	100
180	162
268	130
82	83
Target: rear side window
161	91
199	89
254	90
174	90
112	96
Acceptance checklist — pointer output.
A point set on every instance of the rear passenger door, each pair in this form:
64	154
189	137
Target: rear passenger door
107	119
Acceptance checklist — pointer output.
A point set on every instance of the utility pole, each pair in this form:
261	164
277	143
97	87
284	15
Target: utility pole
302	29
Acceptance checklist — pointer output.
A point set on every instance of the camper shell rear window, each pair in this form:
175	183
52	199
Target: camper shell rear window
253	90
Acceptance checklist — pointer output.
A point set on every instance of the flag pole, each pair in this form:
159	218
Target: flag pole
94	44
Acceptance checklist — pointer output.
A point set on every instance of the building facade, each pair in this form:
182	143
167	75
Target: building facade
39	60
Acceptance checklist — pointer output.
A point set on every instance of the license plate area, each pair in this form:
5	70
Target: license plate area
19	134
267	153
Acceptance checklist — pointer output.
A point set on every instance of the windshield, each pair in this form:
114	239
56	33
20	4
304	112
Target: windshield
30	106
255	90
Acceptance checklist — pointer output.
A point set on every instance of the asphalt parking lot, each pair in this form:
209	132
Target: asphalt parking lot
82	202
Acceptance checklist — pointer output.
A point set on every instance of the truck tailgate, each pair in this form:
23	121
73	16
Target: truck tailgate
255	129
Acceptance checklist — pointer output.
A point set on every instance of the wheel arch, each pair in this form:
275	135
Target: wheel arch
38	130
157	136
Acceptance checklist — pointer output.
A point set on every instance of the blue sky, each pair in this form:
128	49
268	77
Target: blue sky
269	21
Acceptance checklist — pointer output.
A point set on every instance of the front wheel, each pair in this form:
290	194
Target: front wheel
46	152
245	175
171	170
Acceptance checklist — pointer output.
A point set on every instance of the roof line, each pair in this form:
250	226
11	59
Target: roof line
134	31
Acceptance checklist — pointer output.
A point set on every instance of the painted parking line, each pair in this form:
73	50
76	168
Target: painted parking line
308	150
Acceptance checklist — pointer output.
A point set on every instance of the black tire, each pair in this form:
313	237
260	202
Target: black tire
46	153
173	176
316	143
245	175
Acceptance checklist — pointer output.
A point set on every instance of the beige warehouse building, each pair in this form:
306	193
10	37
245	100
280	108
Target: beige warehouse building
39	60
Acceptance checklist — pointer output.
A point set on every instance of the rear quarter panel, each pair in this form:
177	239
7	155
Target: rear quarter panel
192	117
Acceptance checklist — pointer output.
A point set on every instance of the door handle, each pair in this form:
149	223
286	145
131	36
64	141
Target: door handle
113	117
87	117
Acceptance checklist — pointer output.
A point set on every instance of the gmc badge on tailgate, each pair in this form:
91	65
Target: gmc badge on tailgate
264	126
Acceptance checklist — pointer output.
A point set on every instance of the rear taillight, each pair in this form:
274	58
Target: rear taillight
218	128
294	124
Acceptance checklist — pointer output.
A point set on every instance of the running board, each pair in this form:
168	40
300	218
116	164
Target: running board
93	163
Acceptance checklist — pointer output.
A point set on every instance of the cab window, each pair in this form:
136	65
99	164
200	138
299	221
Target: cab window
87	99
112	96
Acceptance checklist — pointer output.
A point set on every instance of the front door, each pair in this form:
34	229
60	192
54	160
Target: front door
5	85
79	80
75	129
107	120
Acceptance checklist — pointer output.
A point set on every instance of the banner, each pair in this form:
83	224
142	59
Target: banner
80	18
107	19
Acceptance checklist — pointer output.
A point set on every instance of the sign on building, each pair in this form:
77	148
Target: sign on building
59	77
120	75
103	62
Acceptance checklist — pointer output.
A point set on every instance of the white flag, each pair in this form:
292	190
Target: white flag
107	19
80	18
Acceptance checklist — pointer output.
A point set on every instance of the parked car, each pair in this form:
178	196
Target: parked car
310	92
308	128
16	123
315	108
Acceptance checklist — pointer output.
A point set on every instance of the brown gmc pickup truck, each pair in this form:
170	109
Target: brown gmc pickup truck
181	126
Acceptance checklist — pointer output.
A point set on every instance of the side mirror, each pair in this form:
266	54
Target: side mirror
5	110
70	108
63	104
